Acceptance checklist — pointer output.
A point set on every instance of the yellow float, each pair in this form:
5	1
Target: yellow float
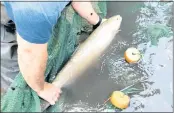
119	100
132	55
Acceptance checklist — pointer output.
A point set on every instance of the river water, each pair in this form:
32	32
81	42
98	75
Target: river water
148	27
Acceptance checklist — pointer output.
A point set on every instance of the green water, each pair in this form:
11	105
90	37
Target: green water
148	27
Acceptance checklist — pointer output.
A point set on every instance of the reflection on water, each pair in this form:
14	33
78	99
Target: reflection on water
111	72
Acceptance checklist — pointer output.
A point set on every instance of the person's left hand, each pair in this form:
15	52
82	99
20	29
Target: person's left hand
50	93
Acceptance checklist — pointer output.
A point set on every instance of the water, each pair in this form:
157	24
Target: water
111	72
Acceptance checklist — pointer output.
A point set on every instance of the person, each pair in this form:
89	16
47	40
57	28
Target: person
34	22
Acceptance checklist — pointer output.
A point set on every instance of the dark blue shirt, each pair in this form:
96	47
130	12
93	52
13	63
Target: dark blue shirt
35	20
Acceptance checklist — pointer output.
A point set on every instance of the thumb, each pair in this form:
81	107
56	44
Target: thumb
52	102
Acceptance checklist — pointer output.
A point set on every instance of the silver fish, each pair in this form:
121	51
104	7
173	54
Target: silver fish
87	52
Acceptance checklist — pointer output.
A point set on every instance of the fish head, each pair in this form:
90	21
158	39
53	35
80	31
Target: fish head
114	22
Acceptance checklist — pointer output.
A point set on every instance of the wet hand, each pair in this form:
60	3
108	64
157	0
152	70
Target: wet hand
50	93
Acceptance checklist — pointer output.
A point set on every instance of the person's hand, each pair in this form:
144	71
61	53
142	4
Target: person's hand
50	93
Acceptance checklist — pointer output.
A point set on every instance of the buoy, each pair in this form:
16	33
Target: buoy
119	100
132	55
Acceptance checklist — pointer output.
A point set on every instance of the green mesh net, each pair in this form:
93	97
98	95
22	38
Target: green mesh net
157	31
20	97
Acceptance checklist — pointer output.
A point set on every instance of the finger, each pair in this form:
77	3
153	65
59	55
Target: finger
55	98
52	102
58	96
59	90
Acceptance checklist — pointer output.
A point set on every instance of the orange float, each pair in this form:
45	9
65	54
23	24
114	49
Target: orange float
132	55
119	100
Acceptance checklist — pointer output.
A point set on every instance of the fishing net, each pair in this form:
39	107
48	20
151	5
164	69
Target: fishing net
20	97
158	31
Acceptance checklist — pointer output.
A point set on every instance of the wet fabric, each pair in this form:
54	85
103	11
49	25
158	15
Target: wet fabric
63	42
158	31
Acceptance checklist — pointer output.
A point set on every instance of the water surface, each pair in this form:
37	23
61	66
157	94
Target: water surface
110	72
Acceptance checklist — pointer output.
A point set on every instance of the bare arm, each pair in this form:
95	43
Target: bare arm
85	10
32	59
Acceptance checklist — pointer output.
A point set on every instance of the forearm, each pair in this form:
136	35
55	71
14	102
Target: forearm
32	63
85	10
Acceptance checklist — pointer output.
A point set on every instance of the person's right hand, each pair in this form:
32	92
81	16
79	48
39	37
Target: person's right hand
50	93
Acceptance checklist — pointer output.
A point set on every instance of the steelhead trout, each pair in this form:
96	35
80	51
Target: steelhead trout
87	52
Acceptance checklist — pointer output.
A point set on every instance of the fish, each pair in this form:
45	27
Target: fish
91	49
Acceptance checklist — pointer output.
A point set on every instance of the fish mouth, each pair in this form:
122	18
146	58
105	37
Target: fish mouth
116	20
118	17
